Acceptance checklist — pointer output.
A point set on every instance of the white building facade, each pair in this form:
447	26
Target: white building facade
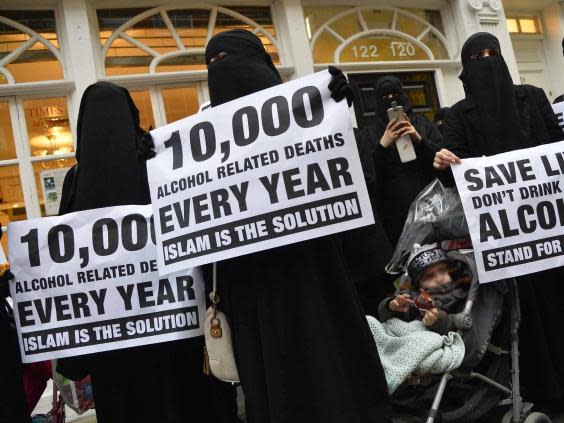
51	50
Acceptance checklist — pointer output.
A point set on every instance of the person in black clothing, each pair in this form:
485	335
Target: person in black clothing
495	117
163	382
396	183
13	404
560	98
303	348
367	250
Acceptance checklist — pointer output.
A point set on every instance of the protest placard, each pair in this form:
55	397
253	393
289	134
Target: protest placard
87	282
269	169
559	112
514	205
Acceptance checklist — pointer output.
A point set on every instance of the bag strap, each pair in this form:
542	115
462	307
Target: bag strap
214	277
214	297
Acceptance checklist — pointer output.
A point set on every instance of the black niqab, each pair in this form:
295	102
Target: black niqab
489	86
246	69
389	84
109	172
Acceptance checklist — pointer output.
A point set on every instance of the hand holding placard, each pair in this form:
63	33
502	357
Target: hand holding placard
514	206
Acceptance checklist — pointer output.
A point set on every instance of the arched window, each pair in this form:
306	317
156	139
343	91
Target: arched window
26	54
366	34
169	38
36	142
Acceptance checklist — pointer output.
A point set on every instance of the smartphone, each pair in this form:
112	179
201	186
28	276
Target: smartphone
404	143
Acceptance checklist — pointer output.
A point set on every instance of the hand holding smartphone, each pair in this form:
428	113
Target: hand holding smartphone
404	143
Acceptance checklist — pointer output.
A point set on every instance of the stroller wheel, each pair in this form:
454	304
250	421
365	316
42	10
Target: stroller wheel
531	418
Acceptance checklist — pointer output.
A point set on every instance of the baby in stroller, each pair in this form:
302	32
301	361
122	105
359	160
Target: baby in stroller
442	299
439	287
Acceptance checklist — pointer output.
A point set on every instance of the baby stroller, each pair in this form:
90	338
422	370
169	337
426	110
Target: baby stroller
489	324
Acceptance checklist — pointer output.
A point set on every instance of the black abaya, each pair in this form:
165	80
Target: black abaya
156	383
467	135
367	250
13	404
302	343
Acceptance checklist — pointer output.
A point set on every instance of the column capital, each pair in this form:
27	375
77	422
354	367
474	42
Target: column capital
487	11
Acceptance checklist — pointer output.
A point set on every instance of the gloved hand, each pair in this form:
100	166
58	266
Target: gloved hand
145	147
339	86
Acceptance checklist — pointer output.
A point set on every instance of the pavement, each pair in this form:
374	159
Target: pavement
90	416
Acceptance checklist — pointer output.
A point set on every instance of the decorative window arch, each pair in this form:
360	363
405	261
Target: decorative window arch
30	44
179	49
428	43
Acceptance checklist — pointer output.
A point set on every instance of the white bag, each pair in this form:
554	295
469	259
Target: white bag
218	355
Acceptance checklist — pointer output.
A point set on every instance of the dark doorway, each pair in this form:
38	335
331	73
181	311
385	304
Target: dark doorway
420	87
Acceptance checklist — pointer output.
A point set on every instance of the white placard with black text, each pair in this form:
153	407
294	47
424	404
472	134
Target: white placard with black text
514	205
88	282
269	169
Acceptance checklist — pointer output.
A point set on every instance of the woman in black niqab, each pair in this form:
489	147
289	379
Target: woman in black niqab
302	344
238	65
155	383
495	117
487	82
396	183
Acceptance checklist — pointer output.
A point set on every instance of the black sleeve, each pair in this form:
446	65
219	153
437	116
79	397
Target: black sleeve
384	312
431	139
558	99
454	140
554	130
4	287
444	323
365	148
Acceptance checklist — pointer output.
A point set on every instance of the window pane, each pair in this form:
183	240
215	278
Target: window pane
49	177
48	129
408	25
183	63
436	46
190	29
346	26
378	18
324	48
528	26
12	206
7	146
180	102
36	63
512	25
142	100
317	16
